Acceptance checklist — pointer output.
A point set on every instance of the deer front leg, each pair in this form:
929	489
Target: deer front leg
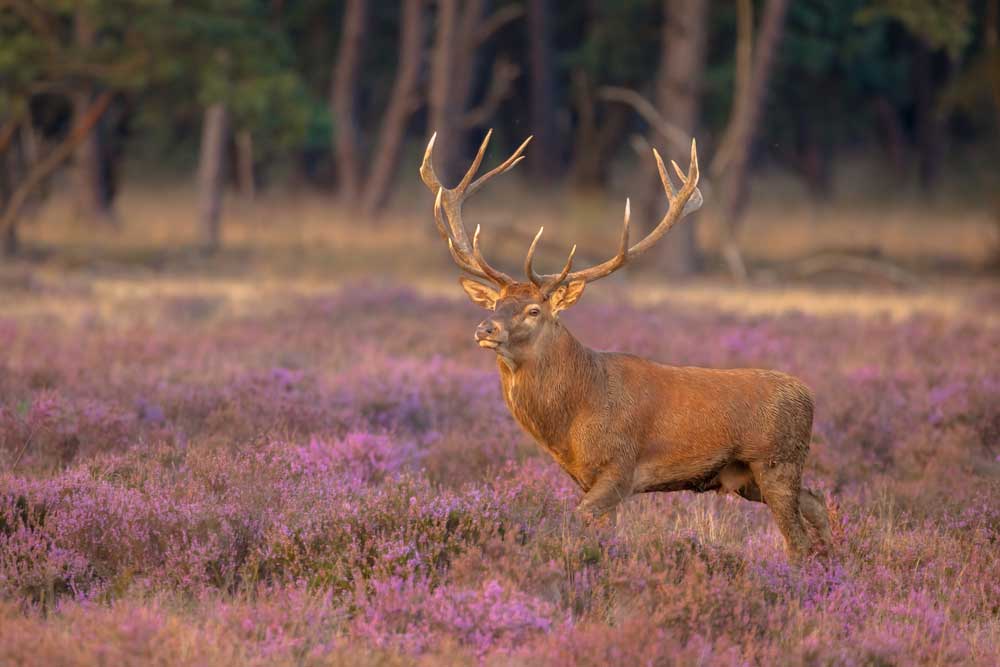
612	486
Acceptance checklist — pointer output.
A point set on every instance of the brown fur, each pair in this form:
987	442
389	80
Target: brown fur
619	424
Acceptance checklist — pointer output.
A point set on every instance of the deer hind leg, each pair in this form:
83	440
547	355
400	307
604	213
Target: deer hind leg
811	506
780	485
814	511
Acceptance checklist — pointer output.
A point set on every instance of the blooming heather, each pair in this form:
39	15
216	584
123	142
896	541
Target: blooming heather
331	483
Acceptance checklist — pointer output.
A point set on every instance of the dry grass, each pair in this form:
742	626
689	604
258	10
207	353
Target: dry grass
300	244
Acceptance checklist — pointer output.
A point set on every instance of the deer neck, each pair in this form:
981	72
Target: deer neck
545	391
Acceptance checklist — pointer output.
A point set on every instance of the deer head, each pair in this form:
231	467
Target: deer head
525	314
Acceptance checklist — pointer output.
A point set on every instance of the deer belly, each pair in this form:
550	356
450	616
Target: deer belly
656	476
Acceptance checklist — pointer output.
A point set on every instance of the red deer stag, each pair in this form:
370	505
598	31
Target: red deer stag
619	424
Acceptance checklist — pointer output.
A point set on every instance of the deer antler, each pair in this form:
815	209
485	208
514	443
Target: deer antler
468	257
686	201
546	285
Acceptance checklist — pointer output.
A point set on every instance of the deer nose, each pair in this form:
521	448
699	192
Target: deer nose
487	329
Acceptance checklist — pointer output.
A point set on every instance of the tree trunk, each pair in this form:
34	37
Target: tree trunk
88	174
453	75
678	94
40	169
344	99
90	190
929	128
211	175
543	160
811	157
405	99
9	242
445	94
891	134
596	136
734	154
244	165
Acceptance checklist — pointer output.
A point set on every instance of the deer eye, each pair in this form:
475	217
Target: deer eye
534	311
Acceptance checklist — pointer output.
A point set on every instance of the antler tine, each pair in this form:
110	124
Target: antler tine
427	174
460	259
471	173
623	246
450	200
498	277
546	283
528	270
438	219
552	284
619	260
621	257
668	185
682	202
504	166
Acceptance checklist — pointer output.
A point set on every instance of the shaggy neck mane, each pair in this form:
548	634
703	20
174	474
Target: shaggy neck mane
546	390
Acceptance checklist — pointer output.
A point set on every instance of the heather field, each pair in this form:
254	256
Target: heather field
330	477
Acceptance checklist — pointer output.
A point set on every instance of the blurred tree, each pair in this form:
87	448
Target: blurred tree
937	27
404	100
366	177
906	75
48	57
92	192
820	93
543	160
32	174
678	94
344	99
241	67
754	60
211	174
979	82
462	29
614	51
204	53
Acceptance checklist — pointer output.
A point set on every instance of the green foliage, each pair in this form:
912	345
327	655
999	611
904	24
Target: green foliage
176	58
941	24
271	64
829	68
621	43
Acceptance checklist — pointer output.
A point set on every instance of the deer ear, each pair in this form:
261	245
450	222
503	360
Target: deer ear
481	294
566	295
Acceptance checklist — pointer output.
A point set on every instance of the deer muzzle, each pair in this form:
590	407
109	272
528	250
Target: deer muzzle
490	334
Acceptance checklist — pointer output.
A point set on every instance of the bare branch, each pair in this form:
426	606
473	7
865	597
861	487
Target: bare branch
676	137
46	166
832	262
498	20
504	74
744	74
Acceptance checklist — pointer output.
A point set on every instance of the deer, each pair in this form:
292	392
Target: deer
619	424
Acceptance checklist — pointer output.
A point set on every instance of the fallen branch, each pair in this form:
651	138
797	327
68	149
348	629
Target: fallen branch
834	261
41	170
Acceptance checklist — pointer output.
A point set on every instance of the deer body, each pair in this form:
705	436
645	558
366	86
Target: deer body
655	427
619	424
